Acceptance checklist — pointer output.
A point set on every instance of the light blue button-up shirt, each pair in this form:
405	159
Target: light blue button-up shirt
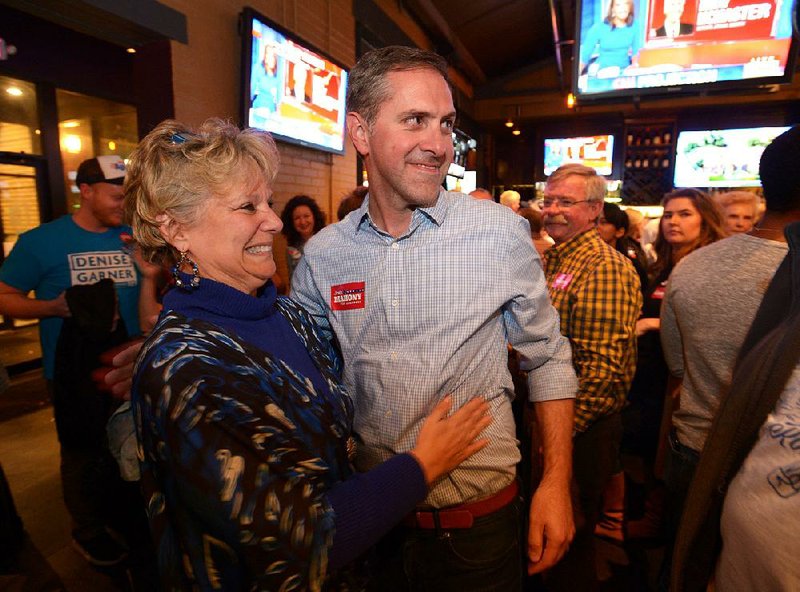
430	313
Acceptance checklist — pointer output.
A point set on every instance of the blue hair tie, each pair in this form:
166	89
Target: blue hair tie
177	138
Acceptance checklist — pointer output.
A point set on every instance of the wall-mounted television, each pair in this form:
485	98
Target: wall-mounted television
635	47
289	88
722	158
593	151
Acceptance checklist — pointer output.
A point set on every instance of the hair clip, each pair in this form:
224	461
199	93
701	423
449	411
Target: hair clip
177	138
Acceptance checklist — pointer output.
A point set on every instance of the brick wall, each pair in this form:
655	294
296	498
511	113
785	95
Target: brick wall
206	83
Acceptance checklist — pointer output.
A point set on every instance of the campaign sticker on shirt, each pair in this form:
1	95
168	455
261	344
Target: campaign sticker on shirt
562	281
658	293
347	296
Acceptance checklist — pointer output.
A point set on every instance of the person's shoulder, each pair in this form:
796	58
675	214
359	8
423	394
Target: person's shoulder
483	211
601	259
292	308
53	228
179	336
707	260
336	234
612	258
725	250
122	230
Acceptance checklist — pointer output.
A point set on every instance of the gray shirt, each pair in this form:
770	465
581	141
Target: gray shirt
711	299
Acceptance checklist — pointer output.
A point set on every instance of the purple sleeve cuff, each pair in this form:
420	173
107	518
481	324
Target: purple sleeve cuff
368	505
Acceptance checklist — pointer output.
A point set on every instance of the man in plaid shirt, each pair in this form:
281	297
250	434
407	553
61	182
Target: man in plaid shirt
596	292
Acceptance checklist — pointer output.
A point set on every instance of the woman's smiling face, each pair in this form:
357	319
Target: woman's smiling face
231	241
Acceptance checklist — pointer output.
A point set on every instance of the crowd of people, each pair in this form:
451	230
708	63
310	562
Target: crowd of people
360	434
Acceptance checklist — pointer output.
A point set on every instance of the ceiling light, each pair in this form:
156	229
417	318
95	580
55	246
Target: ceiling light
14	91
516	132
71	144
509	122
72	123
131	50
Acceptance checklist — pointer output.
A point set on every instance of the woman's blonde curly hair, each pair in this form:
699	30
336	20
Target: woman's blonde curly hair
175	170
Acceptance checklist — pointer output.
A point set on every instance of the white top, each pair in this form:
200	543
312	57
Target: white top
761	514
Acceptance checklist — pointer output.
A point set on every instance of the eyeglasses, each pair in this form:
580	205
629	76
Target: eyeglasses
562	202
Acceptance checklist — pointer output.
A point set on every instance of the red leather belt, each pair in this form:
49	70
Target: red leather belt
462	516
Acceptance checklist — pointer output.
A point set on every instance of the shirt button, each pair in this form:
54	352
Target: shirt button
395	302
395	246
394	355
388	414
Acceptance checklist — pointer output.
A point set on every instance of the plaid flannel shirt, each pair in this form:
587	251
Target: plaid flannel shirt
596	292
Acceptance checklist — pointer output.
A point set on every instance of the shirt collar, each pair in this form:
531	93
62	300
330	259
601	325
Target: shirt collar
573	245
435	214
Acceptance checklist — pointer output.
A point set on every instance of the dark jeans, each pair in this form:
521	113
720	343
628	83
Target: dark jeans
595	458
94	493
86	474
484	558
88	478
679	469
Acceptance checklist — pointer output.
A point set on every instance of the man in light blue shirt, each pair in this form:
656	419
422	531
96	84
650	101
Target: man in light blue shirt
424	289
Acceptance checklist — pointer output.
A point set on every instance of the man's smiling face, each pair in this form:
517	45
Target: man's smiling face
409	146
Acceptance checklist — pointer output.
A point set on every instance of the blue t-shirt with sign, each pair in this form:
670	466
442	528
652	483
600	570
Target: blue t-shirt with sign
60	254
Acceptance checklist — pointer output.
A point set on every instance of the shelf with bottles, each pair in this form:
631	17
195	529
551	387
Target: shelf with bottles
653	160
655	136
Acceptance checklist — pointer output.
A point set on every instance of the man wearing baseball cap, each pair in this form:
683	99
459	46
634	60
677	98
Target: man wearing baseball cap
51	260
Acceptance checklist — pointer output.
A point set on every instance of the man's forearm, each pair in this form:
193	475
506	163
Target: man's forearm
555	419
20	306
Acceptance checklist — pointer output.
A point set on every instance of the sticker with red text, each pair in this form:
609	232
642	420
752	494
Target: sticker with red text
347	296
562	281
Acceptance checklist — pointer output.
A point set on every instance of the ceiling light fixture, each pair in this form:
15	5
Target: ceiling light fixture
509	122
71	143
131	50
516	132
14	91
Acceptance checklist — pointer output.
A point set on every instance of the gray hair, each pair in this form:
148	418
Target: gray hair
595	184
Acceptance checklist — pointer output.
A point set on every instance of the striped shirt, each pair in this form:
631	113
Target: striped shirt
596	292
430	313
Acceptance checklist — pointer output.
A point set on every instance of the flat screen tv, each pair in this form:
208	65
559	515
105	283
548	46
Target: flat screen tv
635	47
722	158
593	151
290	89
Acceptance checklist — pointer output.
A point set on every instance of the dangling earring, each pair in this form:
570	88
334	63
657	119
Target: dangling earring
195	281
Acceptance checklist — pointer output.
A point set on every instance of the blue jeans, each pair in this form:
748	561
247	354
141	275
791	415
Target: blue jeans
483	558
